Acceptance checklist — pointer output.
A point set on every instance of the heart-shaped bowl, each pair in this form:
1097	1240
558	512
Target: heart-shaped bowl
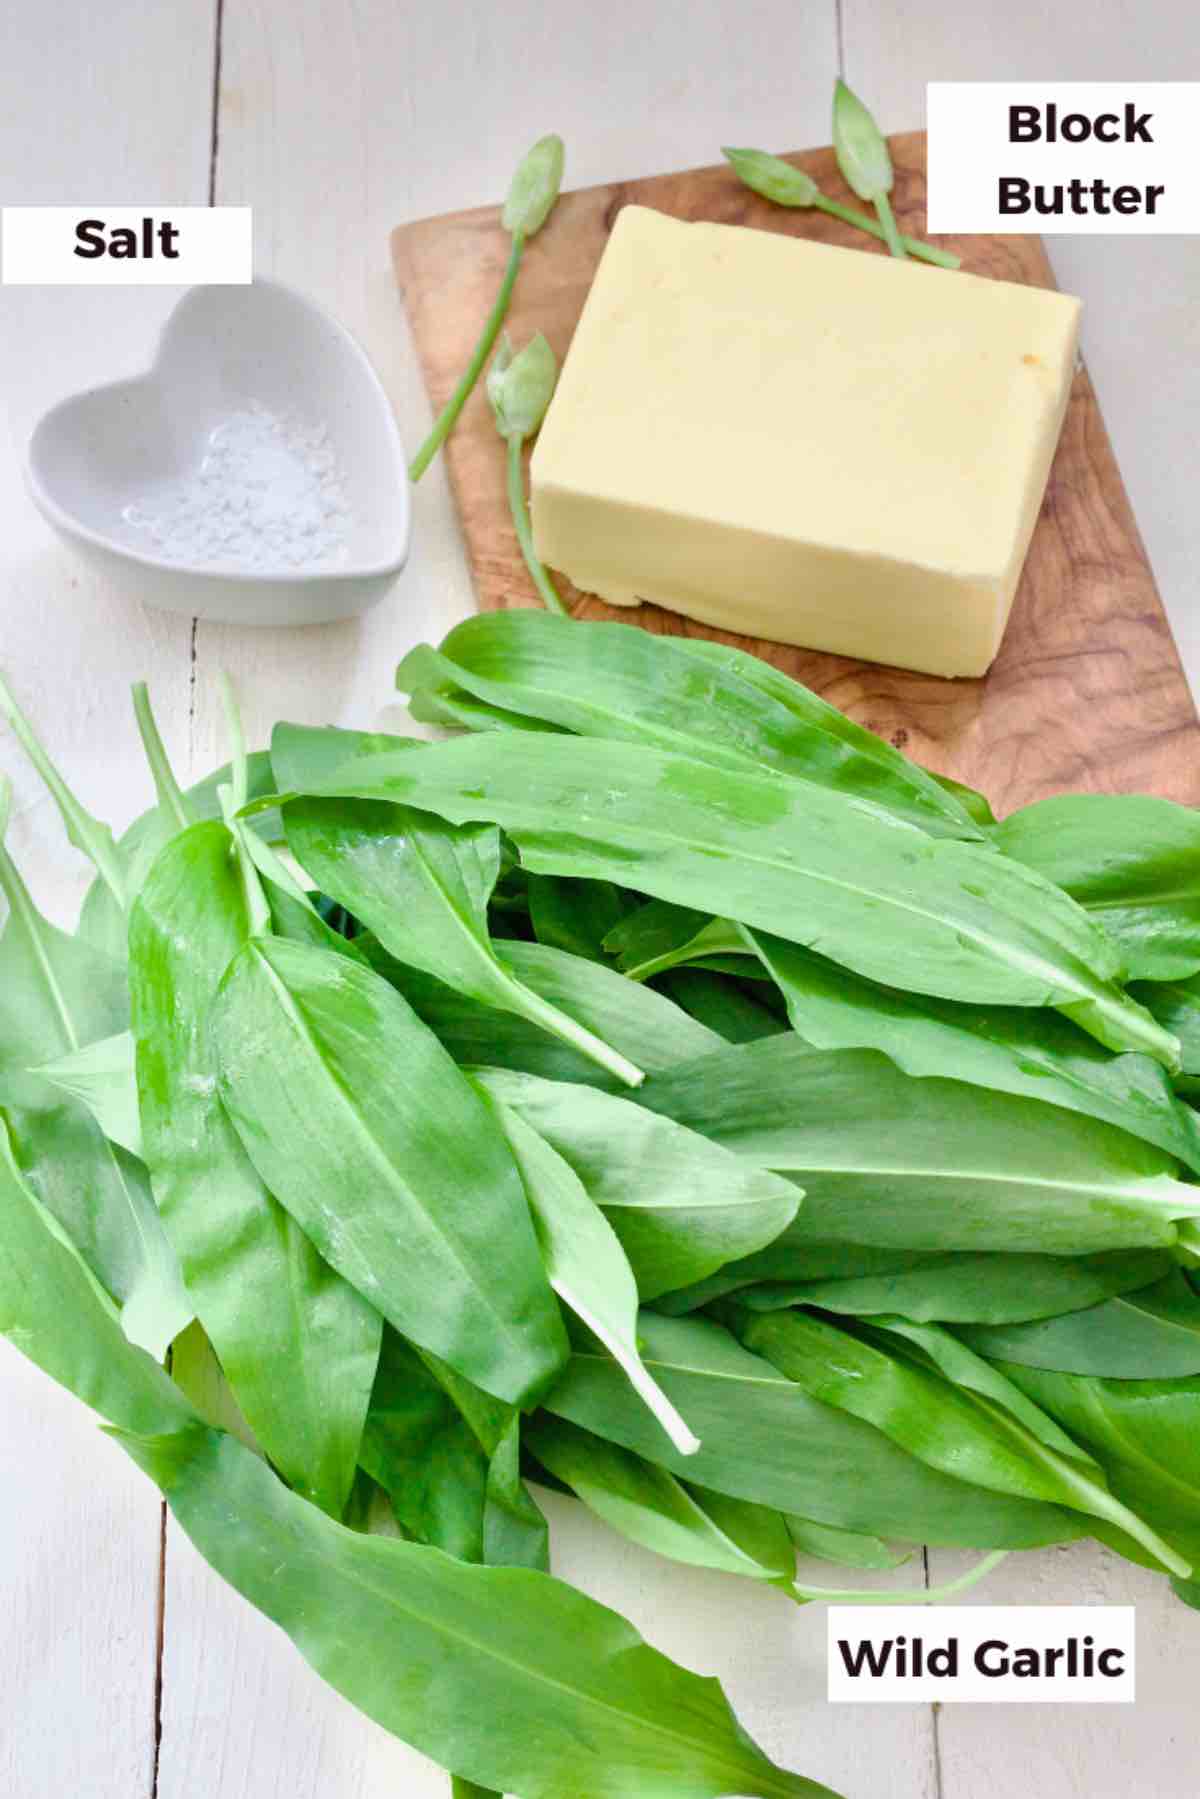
254	474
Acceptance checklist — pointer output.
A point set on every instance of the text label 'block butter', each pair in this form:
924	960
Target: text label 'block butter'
820	446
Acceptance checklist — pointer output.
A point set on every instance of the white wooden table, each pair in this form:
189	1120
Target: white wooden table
126	1669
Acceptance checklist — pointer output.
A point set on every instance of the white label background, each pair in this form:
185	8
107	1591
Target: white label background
969	151
1017	1626
38	247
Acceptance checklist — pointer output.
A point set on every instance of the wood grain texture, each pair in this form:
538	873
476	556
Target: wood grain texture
1087	691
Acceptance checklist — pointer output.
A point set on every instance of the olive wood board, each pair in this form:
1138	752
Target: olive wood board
1087	692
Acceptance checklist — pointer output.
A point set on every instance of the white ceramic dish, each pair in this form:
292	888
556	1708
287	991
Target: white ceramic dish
99	460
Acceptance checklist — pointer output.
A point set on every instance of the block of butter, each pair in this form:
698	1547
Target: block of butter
820	446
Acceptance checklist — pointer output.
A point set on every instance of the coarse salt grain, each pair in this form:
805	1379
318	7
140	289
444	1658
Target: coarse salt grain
268	496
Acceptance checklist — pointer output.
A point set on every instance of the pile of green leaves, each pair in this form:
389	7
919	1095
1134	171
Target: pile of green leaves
661	1090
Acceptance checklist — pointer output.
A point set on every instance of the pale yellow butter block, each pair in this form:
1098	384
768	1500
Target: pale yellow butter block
821	446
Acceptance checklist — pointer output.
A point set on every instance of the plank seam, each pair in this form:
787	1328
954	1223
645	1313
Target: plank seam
214	141
214	145
935	1713
159	1642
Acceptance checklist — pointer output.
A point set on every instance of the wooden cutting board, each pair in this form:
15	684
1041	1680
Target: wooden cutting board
1087	692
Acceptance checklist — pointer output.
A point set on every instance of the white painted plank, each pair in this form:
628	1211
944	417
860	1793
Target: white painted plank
1087	1750
1141	329
108	104
99	104
78	1570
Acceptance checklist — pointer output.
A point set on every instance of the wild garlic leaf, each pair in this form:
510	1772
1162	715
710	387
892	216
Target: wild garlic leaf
585	1262
1176	1006
53	1309
297	1344
435	698
772	1272
171	801
1150	1334
880	897
925	1164
659	936
957	1429
1008	1049
723	1003
423	888
449	1456
1146	1436
405	1185
764	1439
101	921
642	1024
505	1676
420	1449
940	1352
58	997
680	1205
515	1532
848	1548
973	1289
199	1375
1131	860
103	1077
88	834
651	1507
575	916
687	694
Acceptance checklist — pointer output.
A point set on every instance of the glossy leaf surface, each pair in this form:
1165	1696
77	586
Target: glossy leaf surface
934	915
653	1508
1133	861
1150	1334
680	1205
103	1077
297	1344
764	1439
420	1449
925	1164
585	1262
1145	1434
101	920
405	1184
961	1430
53	1309
722	706
58	995
423	887
505	1676
476	1034
1008	1049
985	1289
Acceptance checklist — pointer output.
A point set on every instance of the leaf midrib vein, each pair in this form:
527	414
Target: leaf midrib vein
375	1151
